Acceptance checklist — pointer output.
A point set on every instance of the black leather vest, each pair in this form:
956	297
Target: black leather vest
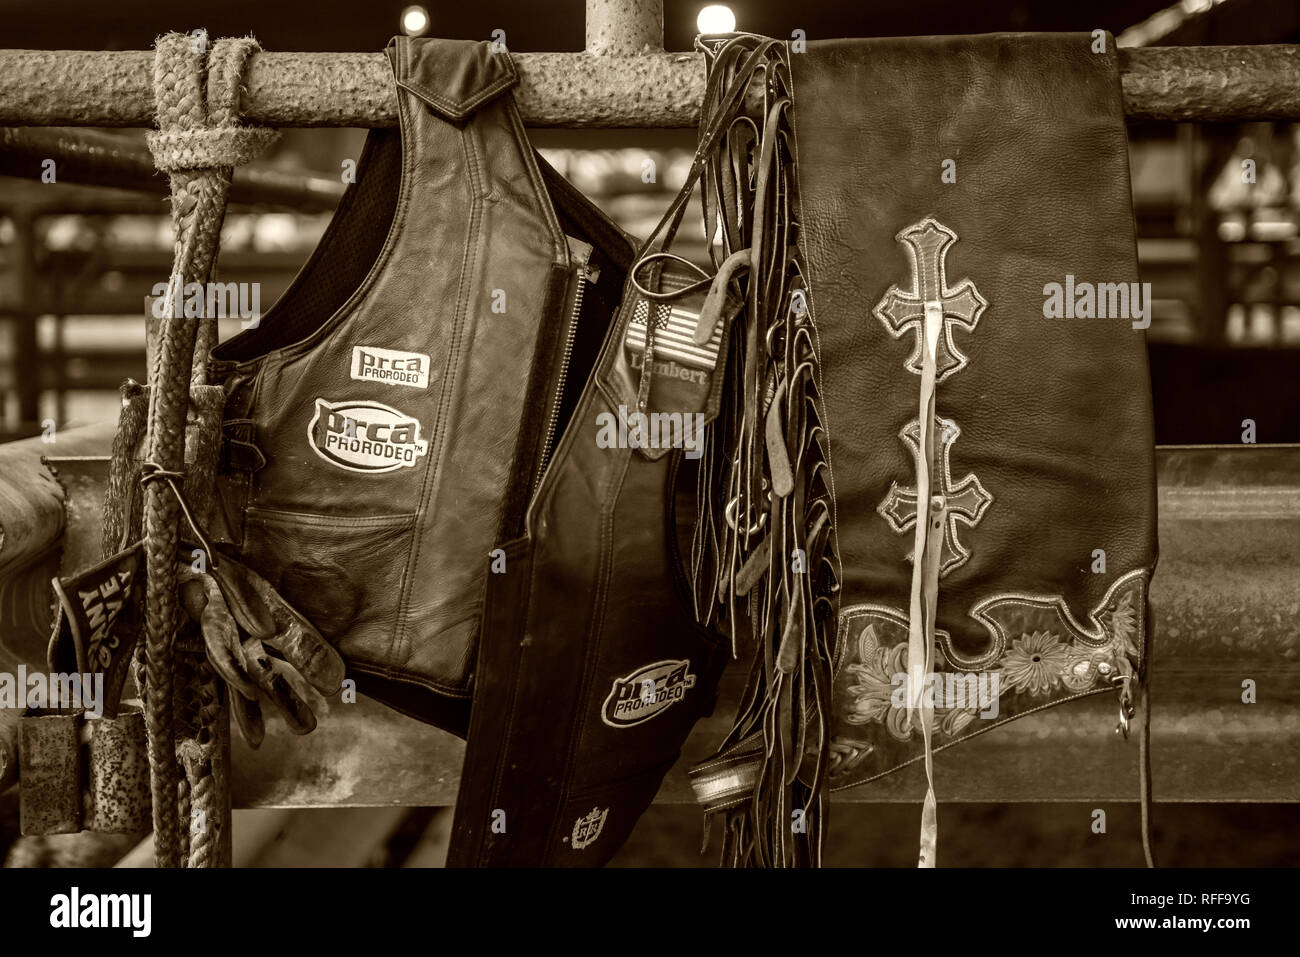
593	669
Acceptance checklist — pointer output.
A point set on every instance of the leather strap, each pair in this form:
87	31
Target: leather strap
1144	772
928	539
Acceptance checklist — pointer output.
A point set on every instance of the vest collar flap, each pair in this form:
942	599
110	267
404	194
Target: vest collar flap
454	77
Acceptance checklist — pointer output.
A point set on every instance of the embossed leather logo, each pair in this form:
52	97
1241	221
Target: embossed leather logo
372	364
587	828
646	692
365	436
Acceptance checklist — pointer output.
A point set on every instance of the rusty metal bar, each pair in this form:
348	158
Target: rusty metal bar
49	763
75	88
1224	601
100	159
1224	606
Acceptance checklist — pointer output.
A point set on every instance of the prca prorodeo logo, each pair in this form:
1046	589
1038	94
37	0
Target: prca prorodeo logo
364	436
373	364
646	692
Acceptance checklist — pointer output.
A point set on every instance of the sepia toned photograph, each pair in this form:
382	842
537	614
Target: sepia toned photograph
645	434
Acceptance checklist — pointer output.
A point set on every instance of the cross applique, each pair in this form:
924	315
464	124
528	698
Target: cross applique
903	310
964	501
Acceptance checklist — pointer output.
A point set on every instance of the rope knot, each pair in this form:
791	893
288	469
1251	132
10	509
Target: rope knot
198	120
208	148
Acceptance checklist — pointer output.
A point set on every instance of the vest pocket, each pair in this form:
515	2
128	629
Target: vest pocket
344	572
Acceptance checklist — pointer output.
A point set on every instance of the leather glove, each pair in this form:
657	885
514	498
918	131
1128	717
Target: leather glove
240	616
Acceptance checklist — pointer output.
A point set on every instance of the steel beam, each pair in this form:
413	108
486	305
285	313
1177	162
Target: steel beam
103	88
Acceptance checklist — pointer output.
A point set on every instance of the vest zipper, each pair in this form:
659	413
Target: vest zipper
580	256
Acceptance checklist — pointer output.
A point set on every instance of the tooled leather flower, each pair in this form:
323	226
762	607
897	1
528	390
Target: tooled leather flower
1035	662
875	673
1123	627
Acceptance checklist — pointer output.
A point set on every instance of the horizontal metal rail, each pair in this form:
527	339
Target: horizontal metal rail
102	159
654	89
1224	601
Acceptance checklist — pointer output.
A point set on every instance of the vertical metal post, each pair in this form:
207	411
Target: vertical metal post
1207	151
625	27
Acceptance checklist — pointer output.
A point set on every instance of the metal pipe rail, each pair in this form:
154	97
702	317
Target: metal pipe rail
1224	605
101	159
591	89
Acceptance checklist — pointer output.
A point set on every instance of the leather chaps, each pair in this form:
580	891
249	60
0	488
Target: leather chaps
945	363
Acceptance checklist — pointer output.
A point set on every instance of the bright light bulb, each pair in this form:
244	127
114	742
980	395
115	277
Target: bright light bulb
415	21
716	18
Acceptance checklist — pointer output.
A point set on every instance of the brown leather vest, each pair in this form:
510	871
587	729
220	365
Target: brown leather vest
388	419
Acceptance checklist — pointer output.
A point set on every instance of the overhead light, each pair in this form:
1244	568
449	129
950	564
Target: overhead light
716	18
415	21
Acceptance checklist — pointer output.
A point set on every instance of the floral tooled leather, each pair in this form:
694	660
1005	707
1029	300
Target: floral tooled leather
1039	655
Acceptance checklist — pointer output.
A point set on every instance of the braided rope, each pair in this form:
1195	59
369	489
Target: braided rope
200	754
184	805
197	142
206	775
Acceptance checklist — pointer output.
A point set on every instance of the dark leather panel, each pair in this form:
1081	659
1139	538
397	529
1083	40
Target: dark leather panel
1054	415
591	607
1025	209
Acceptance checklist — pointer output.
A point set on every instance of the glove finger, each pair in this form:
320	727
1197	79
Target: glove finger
220	634
248	718
242	589
303	647
296	712
289	633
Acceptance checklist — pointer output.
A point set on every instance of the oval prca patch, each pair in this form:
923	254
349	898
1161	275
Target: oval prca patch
364	436
646	692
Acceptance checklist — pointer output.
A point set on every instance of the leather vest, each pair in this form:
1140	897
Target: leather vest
966	253
388	419
593	667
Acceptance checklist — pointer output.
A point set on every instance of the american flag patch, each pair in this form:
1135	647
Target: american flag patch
674	331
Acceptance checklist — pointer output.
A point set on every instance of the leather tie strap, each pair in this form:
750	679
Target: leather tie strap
928	541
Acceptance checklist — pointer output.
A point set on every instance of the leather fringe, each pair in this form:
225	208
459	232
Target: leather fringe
764	561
